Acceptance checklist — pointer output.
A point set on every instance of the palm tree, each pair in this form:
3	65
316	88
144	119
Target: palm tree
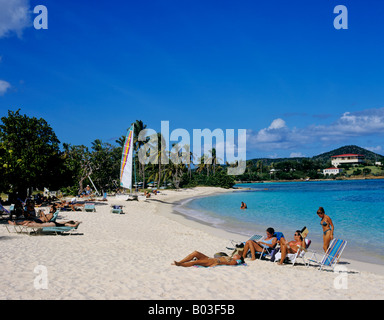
213	159
161	155
138	127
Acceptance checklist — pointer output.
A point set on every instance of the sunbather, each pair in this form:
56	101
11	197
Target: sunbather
71	206
258	246
198	259
292	246
28	223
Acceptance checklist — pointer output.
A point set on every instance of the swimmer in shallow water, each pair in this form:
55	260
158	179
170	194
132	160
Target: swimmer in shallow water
243	205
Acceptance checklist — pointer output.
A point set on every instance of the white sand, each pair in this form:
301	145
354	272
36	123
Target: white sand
129	257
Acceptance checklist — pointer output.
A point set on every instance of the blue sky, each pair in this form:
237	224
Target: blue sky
276	68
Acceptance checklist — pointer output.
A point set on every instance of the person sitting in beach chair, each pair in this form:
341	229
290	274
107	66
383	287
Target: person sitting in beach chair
197	258
266	244
29	210
17	210
292	246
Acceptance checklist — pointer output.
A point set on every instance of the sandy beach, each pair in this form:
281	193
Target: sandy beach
129	256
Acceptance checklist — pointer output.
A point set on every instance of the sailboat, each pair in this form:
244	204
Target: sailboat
127	163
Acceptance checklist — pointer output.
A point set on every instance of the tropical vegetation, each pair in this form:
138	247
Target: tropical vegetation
31	156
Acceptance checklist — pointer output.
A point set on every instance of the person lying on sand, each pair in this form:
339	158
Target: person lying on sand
205	261
28	223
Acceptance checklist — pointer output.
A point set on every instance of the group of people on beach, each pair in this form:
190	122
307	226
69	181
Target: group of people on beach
40	218
270	241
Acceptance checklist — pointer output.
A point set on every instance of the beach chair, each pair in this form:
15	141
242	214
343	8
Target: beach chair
255	237
267	252
292	257
4	211
332	256
54	230
117	209
23	229
234	246
89	207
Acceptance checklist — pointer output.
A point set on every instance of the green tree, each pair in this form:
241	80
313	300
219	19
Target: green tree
30	155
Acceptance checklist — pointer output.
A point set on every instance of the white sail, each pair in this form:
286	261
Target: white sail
126	161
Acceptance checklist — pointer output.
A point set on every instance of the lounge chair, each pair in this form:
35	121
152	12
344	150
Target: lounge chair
4	211
255	237
90	207
235	244
55	230
22	229
117	209
332	256
292	257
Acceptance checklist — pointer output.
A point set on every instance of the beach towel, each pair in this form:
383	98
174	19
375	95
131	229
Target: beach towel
224	265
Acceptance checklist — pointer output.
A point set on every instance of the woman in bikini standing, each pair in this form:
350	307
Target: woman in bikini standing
328	228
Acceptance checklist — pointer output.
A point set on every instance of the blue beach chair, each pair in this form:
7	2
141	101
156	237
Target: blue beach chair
117	209
332	256
90	207
4	211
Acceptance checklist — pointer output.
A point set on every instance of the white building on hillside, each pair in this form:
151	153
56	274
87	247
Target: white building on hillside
349	158
332	171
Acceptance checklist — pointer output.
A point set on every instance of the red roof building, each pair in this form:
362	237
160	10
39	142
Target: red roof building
348	158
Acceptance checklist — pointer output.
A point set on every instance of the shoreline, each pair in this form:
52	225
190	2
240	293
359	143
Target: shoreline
303	180
238	237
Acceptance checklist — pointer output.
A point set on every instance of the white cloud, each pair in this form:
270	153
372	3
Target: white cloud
297	155
377	149
4	86
15	16
278	135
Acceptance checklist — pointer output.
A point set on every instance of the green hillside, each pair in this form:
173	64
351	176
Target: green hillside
369	155
325	157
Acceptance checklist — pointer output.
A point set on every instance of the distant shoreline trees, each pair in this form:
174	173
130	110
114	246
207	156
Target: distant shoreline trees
30	157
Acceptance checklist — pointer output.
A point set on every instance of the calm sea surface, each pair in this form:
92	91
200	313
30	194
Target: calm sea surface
356	208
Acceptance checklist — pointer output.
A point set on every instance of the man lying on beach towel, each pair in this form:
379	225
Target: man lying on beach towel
205	261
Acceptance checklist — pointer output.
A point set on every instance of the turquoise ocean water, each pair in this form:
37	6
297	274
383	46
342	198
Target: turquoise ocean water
355	206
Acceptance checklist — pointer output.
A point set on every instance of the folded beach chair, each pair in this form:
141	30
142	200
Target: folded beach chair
90	207
292	257
332	256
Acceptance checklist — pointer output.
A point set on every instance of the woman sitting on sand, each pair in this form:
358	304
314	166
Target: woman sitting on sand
292	246
205	261
258	246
